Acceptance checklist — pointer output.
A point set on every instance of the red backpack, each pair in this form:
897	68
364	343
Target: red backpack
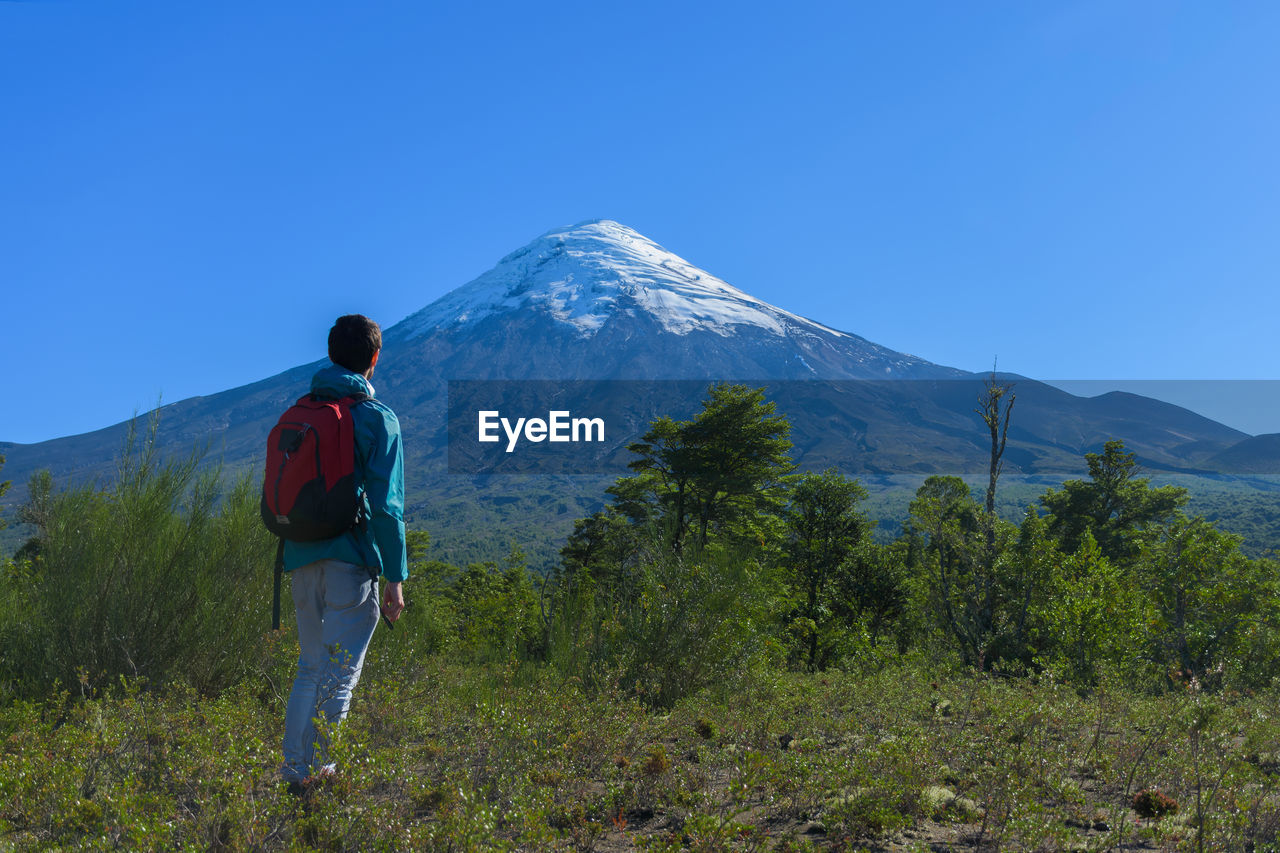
310	490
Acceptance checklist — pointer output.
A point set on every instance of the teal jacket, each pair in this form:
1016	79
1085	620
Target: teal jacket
380	468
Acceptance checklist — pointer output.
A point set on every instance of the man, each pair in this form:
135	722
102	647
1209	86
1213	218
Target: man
335	581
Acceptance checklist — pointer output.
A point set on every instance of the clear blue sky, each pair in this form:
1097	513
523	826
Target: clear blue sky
190	192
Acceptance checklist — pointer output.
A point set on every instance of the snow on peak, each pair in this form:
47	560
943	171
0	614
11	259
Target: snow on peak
584	274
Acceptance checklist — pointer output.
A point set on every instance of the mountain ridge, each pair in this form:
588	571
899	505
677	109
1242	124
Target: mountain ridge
599	301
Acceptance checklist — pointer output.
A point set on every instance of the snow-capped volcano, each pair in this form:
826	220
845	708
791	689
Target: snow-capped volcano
599	300
585	274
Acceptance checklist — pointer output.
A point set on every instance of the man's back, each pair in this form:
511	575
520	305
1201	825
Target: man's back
379	468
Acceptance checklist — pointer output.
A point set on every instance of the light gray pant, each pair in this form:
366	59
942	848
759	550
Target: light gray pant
337	607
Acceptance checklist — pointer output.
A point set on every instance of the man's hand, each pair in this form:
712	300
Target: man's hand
393	601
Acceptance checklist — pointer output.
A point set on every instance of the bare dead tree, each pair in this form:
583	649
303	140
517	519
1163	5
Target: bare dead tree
995	405
995	411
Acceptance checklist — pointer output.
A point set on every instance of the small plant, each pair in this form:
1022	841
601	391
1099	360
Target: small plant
656	762
705	728
1153	803
866	812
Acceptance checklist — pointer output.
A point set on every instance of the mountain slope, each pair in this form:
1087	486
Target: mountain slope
599	301
1257	455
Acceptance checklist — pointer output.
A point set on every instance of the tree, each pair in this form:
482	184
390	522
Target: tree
497	609
949	524
995	411
1206	594
159	575
1094	617
1031	567
674	584
871	589
824	527
715	471
1113	505
975	592
597	555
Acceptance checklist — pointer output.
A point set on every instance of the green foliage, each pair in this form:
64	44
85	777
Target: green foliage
1107	582
160	576
598	552
431	618
440	756
1094	618
496	608
965	595
1032	567
476	518
688	620
871	598
823	528
674	586
637	697
483	612
1114	505
1248	507
715	472
1212	604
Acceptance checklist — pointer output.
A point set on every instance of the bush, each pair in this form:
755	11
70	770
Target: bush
690	620
1094	621
1152	803
496	615
160	576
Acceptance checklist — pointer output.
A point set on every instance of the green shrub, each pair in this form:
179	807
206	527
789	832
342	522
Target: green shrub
690	620
496	611
160	576
1095	619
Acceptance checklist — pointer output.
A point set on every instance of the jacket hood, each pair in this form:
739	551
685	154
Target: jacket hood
339	382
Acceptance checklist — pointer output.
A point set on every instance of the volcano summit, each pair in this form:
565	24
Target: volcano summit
640	311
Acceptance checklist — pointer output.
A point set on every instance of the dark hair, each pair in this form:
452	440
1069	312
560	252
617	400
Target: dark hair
353	340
